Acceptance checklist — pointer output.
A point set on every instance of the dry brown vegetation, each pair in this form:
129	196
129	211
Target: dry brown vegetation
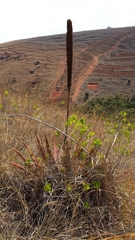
52	188
51	192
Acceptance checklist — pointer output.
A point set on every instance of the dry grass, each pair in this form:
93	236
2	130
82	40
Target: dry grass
53	193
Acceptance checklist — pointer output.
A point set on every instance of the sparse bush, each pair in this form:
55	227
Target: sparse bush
37	62
13	80
109	105
86	97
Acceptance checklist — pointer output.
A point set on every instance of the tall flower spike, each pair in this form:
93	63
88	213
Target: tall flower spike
69	50
69	45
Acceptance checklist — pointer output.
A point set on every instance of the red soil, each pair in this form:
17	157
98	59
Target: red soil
105	57
93	86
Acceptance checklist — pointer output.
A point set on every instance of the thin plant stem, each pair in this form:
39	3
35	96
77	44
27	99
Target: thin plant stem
45	123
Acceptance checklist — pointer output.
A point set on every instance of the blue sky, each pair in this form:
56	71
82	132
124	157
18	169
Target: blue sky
22	19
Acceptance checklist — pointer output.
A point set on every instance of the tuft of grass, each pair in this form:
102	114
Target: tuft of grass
83	190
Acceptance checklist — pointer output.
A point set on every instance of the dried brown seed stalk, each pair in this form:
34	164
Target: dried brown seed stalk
69	49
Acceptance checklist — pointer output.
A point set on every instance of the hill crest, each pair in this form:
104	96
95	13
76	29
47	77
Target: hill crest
103	63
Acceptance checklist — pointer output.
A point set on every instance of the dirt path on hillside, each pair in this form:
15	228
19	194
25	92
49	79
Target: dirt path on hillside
88	71
53	94
93	65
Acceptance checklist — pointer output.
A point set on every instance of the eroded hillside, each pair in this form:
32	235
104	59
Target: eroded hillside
103	63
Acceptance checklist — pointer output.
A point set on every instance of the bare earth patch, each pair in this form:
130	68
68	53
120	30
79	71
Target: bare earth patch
38	66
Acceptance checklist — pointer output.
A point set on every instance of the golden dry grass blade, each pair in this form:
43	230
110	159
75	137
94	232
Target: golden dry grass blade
55	152
49	151
20	154
41	147
17	165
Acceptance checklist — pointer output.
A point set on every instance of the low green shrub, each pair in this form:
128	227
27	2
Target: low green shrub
109	105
